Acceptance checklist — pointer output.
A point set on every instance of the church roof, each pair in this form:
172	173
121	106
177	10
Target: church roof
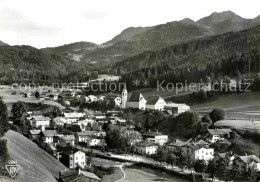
135	97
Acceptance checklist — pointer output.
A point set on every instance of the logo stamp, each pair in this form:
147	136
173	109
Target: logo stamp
12	167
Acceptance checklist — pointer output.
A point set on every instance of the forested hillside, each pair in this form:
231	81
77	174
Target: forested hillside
188	60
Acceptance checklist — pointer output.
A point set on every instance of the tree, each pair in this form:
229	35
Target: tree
181	158
4	156
212	167
18	109
37	95
216	115
161	155
202	96
206	119
200	166
4	125
116	141
170	159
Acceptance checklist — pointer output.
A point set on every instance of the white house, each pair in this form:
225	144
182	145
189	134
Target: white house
38	121
136	100
155	137
83	136
155	103
118	101
73	117
214	135
94	141
174	108
48	135
60	121
199	151
92	98
73	158
145	148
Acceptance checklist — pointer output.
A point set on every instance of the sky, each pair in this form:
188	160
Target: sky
49	23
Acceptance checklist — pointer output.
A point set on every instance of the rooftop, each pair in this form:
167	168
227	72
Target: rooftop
219	131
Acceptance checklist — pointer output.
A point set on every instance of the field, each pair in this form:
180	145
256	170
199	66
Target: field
10	99
247	102
146	175
146	92
35	164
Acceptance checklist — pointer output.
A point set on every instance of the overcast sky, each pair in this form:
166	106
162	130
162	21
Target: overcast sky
46	23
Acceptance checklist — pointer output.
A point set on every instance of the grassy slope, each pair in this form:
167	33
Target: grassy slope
35	164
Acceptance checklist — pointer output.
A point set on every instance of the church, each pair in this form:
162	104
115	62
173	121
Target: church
137	100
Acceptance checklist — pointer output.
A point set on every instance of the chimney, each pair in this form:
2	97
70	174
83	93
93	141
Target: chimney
149	130
157	131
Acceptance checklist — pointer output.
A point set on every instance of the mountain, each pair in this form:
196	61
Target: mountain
3	44
35	164
127	34
254	22
135	40
73	51
219	23
197	52
28	63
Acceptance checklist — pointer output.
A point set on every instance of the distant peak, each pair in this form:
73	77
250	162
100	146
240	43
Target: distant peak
187	20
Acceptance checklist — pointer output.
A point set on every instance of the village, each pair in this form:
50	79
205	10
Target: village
72	134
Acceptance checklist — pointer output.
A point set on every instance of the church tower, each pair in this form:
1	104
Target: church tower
124	97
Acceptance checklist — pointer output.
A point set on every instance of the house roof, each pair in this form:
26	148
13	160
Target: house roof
67	137
219	131
87	133
152	100
152	134
49	133
71	151
74	115
135	97
74	175
146	144
41	118
35	132
249	158
178	144
197	146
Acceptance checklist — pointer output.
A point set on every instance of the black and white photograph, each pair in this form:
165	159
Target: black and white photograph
129	91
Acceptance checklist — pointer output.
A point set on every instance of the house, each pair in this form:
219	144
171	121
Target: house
73	158
77	176
67	138
34	134
156	137
118	101
60	121
92	98
175	109
136	100
94	141
173	146
145	148
38	121
101	97
246	162
199	151
133	136
214	135
83	136
48	135
155	103
73	116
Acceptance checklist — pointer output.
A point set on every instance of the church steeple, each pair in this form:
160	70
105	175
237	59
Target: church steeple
124	97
